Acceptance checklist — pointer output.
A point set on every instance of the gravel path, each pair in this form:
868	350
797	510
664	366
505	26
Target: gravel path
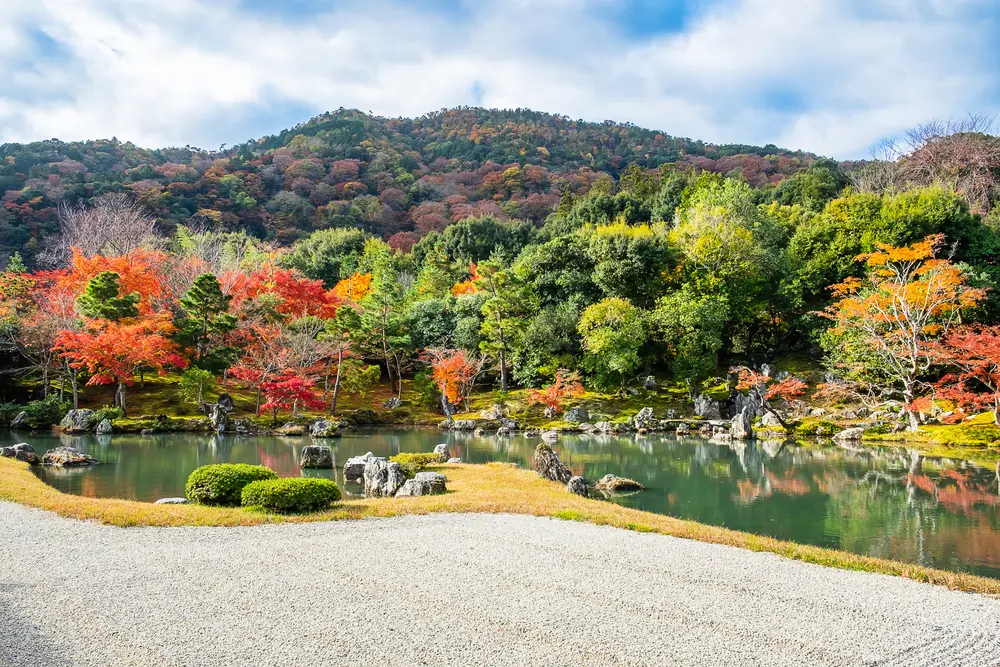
453	590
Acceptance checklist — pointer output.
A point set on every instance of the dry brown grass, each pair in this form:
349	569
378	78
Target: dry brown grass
492	488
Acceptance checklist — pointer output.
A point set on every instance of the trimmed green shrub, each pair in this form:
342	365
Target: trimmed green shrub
414	462
291	495
222	483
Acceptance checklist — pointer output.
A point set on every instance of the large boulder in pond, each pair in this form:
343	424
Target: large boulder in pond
354	467
850	435
20	420
577	415
22	451
577	485
382	478
68	457
76	421
614	484
442	452
707	407
316	456
423	484
644	419
547	464
104	428
325	428
742	425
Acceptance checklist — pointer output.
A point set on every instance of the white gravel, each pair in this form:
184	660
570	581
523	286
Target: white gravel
453	590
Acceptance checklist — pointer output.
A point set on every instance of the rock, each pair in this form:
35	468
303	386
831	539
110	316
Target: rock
671	414
171	501
550	436
850	435
604	427
454	460
442	451
316	456
817	412
21	452
862	412
462	425
423	484
614	484
509	424
147	432
20	420
649	383
738	401
382	478
243	426
577	415
479	432
769	419
392	403
220	417
683	429
492	412
849	414
644	418
549	412
67	457
707	407
548	465
225	402
532	433
577	485
104	428
291	428
354	468
324	428
76	421
742	427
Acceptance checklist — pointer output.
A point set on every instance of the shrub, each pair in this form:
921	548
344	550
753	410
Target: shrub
107	412
291	495
222	483
46	412
8	411
412	463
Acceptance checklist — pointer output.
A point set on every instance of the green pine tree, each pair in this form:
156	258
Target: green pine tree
102	300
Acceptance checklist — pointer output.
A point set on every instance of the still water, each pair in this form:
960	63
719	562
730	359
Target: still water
940	513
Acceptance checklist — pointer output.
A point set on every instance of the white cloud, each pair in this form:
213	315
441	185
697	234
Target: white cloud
829	76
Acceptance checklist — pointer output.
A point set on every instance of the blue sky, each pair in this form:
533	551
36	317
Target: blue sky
829	76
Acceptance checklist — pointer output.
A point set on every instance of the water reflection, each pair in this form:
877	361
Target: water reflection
891	503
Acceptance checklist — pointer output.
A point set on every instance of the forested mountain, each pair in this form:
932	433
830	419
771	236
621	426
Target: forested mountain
395	178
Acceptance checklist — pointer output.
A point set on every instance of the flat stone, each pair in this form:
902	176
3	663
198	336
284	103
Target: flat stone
454	460
68	457
172	501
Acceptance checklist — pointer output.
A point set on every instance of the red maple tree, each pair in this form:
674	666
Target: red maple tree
565	386
113	352
769	389
973	351
289	391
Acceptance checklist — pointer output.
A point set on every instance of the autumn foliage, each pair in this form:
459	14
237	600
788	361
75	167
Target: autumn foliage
554	396
288	391
454	372
974	354
353	288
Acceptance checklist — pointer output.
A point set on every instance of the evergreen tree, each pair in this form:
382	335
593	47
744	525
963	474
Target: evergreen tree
101	299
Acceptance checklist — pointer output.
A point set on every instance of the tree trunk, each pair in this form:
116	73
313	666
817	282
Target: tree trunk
45	381
911	415
257	411
996	409
446	406
336	384
121	399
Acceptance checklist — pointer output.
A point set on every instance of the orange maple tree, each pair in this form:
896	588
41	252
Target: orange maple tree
455	374
565	386
353	288
139	271
113	352
469	286
908	299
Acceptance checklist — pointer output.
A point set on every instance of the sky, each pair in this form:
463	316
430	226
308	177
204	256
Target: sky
827	76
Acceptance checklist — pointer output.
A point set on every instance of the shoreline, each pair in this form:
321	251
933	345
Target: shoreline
473	489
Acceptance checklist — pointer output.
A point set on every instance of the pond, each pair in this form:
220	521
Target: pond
879	502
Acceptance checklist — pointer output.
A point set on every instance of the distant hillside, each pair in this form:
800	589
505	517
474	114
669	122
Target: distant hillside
399	178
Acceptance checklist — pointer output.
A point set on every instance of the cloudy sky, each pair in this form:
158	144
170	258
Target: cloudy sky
829	76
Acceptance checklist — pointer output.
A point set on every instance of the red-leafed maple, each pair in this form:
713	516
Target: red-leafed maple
113	352
289	391
294	295
264	353
973	352
455	374
768	389
553	396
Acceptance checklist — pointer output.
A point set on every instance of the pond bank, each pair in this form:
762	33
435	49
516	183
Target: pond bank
451	590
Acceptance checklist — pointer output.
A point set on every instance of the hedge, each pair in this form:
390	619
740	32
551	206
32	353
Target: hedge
222	483
291	495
